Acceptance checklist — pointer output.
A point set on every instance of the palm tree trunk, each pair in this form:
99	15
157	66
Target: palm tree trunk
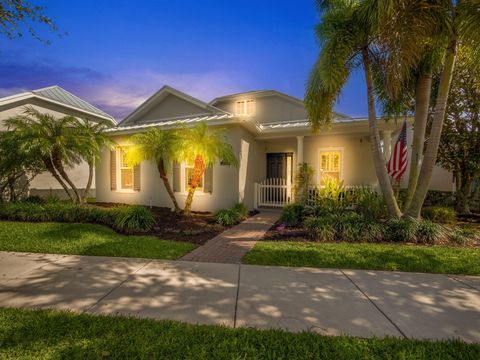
57	162
198	170
166	183
51	169
89	182
378	160
422	103
431	152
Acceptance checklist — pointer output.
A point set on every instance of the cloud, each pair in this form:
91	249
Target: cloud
118	93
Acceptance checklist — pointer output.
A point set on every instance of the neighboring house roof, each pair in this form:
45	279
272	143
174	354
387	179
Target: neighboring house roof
162	94
59	96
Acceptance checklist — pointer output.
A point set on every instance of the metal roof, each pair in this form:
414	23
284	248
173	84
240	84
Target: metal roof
56	93
173	122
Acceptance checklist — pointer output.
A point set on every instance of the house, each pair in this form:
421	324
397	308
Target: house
58	102
270	133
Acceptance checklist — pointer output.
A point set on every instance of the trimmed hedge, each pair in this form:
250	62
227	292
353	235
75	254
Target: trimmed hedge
440	214
126	219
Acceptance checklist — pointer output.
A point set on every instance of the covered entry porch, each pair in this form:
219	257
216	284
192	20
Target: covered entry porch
342	153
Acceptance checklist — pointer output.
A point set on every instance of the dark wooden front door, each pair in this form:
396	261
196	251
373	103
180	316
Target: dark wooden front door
276	166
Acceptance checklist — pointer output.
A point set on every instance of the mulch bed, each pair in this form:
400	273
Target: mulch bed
197	228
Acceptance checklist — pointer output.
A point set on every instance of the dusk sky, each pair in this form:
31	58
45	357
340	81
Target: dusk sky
117	53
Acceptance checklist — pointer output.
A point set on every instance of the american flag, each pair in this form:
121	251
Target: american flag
397	164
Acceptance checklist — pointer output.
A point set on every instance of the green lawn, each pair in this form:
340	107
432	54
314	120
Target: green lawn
85	239
400	257
42	334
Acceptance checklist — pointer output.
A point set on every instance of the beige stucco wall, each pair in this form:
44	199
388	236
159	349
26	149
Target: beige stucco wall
268	108
225	181
173	106
44	181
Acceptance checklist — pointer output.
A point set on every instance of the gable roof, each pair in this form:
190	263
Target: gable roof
263	93
161	94
59	96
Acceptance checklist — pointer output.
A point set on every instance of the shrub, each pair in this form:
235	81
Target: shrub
126	219
439	214
131	219
429	232
241	210
464	236
292	215
401	230
370	203
321	228
357	228
35	199
227	217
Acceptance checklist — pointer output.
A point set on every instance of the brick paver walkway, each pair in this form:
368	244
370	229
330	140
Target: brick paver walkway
231	245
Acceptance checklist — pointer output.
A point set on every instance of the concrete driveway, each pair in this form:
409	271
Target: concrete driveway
327	301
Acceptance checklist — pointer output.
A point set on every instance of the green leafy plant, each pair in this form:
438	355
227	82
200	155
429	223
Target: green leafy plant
131	219
429	232
439	214
303	181
357	228
292	214
241	210
401	230
321	228
369	203
227	217
464	236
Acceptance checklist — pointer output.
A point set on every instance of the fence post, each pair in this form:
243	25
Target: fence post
255	196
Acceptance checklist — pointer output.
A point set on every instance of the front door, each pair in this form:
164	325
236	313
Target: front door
276	166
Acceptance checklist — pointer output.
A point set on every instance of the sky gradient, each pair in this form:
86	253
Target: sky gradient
115	54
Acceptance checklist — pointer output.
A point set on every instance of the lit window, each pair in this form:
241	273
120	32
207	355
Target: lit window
126	171
245	107
330	165
188	177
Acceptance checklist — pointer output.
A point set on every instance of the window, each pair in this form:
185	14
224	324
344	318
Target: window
245	107
188	171
126	171
330	165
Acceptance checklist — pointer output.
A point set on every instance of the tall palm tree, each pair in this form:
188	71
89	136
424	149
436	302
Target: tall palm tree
347	33
53	140
202	147
160	147
90	140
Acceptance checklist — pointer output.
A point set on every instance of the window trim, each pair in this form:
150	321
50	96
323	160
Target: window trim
319	159
119	167
183	188
244	103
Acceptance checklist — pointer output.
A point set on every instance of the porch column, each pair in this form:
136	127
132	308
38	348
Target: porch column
299	150
387	144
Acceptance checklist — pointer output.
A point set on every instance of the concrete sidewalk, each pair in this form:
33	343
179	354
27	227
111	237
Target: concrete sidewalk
327	301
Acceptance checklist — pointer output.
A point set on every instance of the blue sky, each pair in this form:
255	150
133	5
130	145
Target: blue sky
117	53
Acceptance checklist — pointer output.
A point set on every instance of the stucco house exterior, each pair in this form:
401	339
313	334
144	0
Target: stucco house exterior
58	102
270	134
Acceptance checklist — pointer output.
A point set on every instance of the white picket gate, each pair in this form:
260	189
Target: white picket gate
273	192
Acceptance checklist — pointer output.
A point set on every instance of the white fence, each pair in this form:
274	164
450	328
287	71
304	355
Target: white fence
278	193
273	192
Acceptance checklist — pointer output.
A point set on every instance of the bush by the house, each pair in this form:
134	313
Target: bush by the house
321	228
292	215
401	230
370	203
230	217
464	236
429	232
131	219
439	214
128	219
354	227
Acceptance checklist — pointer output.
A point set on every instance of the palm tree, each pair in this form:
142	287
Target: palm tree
90	140
347	33
203	147
160	147
54	142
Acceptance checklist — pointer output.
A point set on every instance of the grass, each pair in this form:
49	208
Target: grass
85	239
398	257
46	334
